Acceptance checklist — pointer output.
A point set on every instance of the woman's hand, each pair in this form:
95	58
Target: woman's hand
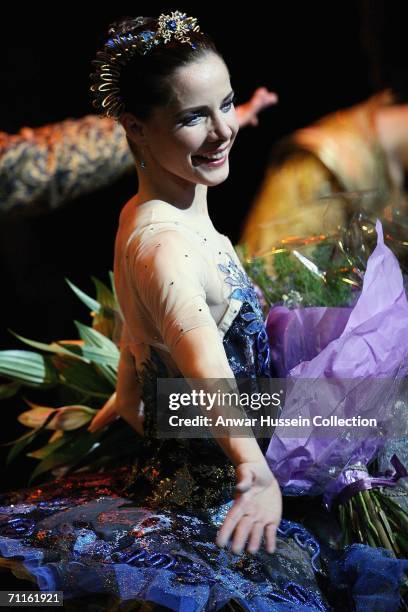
261	98
110	411
107	414
256	512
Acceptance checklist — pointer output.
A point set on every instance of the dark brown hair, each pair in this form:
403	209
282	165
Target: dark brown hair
144	81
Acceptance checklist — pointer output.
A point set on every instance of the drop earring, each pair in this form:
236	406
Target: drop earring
142	161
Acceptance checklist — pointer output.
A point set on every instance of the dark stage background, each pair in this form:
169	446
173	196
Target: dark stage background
317	56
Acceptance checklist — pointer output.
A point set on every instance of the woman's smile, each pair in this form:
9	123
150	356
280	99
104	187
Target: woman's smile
215	161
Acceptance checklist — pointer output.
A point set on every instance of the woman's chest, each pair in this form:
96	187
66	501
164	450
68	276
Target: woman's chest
224	271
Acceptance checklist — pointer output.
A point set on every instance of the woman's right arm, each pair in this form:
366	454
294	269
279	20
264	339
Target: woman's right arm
199	354
257	510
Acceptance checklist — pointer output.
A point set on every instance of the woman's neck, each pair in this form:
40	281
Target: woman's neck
182	194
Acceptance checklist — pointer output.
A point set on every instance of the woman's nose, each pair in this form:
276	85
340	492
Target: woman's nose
220	128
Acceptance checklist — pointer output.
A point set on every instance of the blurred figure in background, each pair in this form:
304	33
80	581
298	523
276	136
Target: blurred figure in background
362	150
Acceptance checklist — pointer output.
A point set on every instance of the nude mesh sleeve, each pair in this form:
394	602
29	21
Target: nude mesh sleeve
169	276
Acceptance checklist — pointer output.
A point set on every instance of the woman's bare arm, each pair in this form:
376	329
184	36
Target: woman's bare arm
257	510
199	354
126	401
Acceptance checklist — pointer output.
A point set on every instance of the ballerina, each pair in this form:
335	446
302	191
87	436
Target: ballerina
193	523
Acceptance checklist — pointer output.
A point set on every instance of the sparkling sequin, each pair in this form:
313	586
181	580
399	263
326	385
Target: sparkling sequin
244	290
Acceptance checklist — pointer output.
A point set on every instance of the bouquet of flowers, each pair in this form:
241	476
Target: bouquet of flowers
347	331
82	373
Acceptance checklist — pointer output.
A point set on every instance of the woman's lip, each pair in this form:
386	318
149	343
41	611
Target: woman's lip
210	163
213	152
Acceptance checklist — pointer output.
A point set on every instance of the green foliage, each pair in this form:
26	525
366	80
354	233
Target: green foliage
78	371
300	281
372	517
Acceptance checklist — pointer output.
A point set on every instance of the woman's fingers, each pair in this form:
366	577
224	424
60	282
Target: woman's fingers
241	533
251	529
256	510
247	527
270	537
231	520
226	530
255	537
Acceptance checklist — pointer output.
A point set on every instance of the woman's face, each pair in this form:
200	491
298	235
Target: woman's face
200	120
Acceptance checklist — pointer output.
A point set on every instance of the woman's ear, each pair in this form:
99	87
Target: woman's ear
134	128
133	148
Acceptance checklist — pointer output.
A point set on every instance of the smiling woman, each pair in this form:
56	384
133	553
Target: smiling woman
188	137
148	532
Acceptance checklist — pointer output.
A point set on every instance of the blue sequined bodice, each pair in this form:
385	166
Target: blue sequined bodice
195	473
246	342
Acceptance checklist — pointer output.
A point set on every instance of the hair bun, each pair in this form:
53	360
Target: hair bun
127	24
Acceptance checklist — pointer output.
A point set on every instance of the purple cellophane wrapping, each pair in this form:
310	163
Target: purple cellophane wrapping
338	346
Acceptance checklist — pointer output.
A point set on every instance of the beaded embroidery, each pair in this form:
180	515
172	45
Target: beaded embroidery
244	291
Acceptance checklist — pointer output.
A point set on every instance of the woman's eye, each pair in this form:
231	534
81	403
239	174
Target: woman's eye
190	119
231	102
227	105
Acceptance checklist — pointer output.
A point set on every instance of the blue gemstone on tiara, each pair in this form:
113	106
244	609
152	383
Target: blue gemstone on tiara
172	25
146	35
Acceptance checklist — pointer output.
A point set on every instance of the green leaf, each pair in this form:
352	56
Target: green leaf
28	368
104	295
94	338
112	282
109	373
295	282
54	347
21	443
49	448
76	446
101	356
74	349
118	441
104	320
97	355
102	350
11	442
84	377
86	299
9	389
